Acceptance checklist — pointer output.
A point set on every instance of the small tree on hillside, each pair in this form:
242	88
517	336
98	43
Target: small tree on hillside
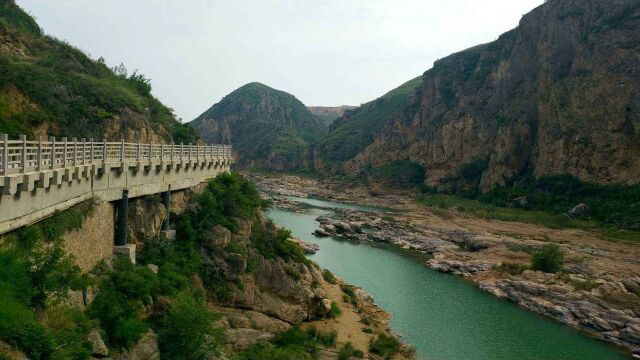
548	258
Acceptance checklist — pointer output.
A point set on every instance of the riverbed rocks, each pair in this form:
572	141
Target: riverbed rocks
458	267
597	291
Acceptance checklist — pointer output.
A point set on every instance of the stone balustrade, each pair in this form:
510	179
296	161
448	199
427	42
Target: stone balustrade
39	177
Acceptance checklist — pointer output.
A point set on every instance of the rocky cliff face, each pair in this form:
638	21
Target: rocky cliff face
558	94
329	113
268	128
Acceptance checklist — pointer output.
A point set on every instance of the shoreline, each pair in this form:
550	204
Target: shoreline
597	293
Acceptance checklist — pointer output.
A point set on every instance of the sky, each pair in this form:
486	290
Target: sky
325	52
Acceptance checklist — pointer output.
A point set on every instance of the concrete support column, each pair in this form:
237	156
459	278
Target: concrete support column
166	201
122	248
123	214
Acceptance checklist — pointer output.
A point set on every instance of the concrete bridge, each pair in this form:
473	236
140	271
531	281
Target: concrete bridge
40	177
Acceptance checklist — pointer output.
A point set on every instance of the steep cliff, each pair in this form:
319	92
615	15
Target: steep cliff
48	87
268	128
558	94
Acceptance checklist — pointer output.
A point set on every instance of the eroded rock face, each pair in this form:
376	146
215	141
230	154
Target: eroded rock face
536	99
145	349
145	218
609	311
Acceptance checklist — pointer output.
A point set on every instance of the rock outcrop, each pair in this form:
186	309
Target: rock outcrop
558	94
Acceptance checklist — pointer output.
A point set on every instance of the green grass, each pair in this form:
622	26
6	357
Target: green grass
335	311
385	346
548	219
293	344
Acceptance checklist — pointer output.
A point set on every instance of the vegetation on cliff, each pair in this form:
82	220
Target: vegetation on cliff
36	276
47	86
357	128
268	128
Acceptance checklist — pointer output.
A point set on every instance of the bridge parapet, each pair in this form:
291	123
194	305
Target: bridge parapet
39	177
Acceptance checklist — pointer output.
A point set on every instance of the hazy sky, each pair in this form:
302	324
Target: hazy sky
329	52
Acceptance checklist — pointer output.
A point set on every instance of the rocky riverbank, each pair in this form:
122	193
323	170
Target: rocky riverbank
597	291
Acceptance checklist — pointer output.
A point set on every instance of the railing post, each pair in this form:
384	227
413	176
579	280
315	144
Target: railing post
161	151
52	157
172	147
23	138
39	155
138	152
104	150
150	152
122	150
75	151
190	150
84	150
5	153
181	150
91	150
65	149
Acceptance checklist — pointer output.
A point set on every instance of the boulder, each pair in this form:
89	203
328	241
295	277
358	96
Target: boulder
145	349
98	347
219	236
239	339
579	211
321	232
343	227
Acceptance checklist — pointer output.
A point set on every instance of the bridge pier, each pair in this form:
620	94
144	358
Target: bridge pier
166	228
121	247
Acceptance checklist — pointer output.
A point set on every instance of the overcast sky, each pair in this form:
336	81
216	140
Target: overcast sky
329	52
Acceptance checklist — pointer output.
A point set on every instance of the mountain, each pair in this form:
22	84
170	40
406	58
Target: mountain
48	87
357	128
329	113
559	94
268	128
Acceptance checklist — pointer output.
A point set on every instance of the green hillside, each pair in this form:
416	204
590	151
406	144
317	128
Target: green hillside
269	128
351	133
50	87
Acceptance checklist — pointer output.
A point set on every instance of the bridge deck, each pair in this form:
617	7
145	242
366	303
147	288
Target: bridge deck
38	178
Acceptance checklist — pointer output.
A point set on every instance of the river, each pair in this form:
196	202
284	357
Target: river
443	316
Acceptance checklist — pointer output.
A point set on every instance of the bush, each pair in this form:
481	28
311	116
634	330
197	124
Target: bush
276	245
329	277
268	351
335	310
186	332
348	351
119	302
19	328
385	346
549	258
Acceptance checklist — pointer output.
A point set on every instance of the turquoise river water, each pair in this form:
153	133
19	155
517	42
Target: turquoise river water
443	316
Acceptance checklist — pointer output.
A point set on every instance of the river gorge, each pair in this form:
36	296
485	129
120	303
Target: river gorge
444	317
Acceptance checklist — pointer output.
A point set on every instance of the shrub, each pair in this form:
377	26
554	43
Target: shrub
335	310
69	328
276	245
548	258
186	332
267	351
329	277
348	351
119	302
19	328
385	346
